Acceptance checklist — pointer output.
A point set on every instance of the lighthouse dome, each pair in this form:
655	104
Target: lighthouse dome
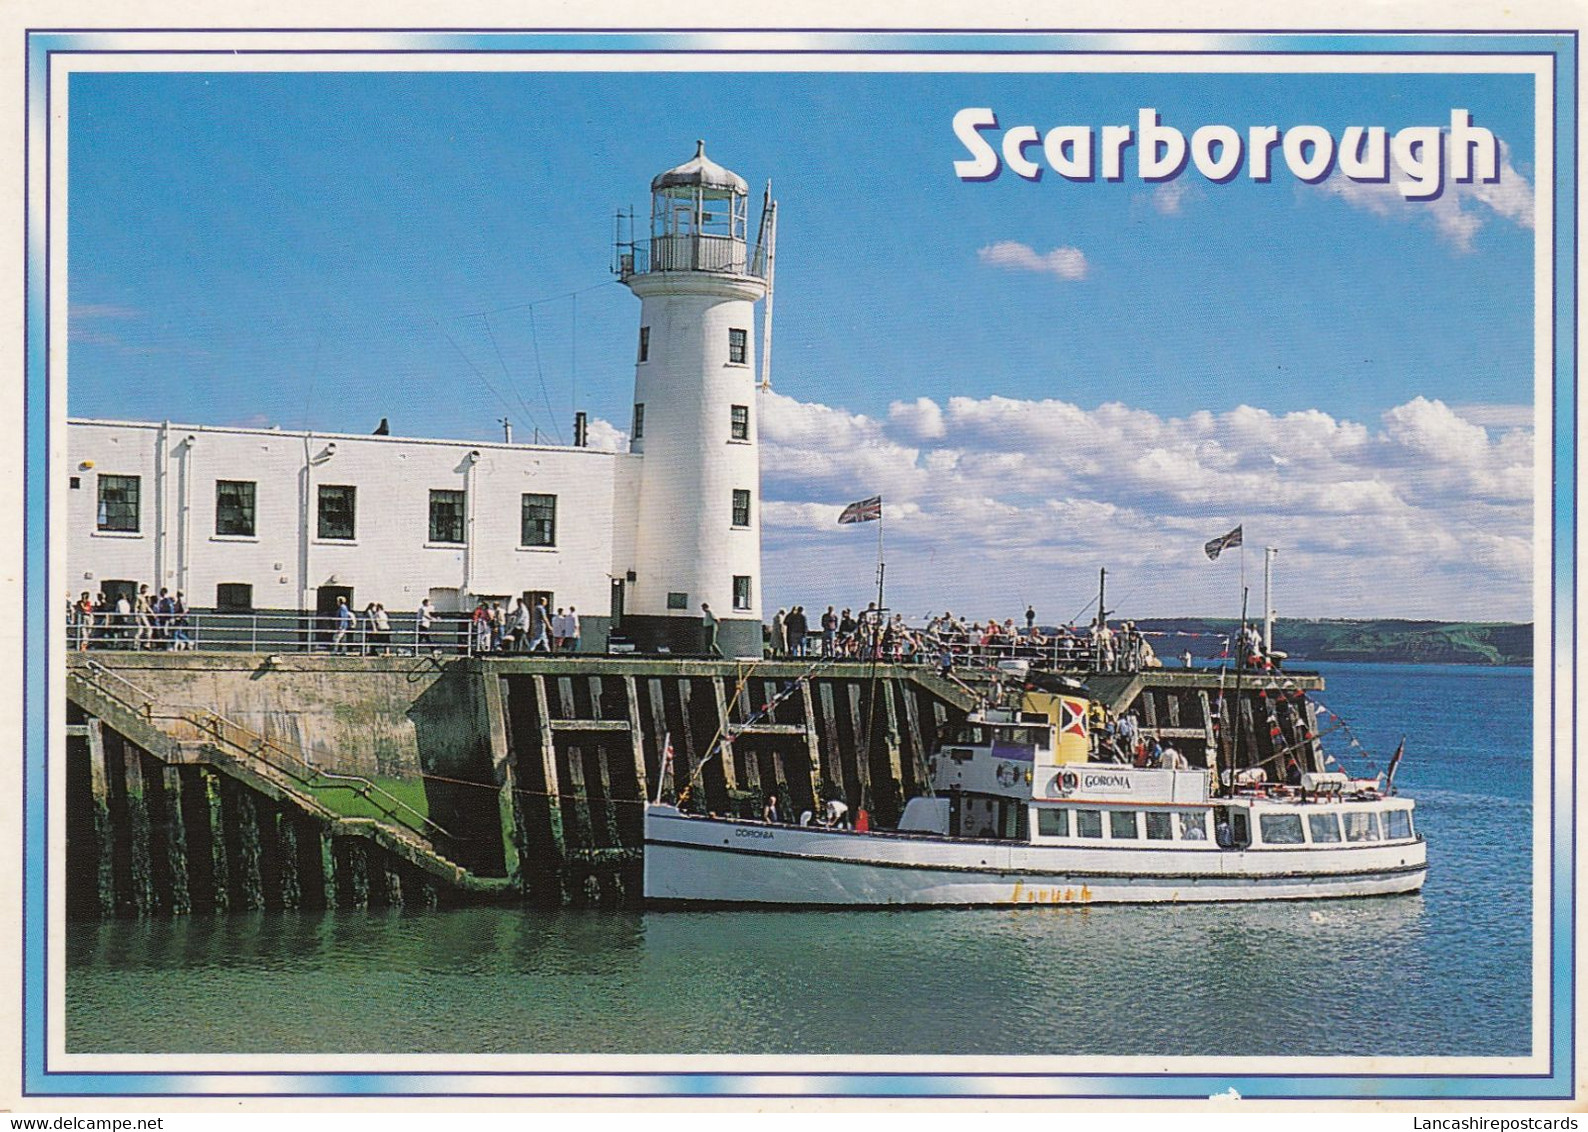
701	171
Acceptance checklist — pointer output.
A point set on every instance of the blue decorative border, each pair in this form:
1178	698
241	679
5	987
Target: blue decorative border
1556	1084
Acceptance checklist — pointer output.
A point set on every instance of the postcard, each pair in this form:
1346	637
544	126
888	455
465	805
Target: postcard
833	566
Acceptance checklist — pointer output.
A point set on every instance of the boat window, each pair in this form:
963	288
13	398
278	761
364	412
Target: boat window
1397	824
1160	826
1194	827
1361	825
1122	825
1324	827
1280	829
1053	823
968	734
1088	823
1021	736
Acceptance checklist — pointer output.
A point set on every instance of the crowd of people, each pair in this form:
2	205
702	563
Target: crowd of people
947	640
144	621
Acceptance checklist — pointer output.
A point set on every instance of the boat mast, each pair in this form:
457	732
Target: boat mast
1240	664
1102	620
1268	601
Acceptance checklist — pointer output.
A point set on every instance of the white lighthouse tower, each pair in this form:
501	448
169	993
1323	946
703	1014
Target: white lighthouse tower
698	536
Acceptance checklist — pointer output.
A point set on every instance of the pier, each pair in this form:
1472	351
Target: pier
216	782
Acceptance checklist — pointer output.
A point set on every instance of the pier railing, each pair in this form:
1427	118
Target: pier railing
279	632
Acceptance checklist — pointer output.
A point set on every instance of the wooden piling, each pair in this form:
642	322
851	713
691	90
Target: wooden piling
104	832
140	893
179	899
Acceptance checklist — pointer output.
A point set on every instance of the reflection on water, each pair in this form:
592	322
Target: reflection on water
1339	977
1444	972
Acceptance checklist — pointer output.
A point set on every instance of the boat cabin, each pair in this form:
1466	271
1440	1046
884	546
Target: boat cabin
1007	775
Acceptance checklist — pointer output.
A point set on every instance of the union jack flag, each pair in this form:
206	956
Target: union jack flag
1218	546
862	512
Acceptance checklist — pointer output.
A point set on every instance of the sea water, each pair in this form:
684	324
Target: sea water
1444	972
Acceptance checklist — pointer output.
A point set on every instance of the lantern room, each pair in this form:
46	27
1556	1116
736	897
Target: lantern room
699	216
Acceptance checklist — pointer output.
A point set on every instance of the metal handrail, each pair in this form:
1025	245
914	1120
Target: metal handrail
214	723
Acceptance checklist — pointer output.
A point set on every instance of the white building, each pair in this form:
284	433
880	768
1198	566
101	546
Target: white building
268	521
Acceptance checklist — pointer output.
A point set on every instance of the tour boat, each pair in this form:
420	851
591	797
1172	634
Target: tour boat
1022	812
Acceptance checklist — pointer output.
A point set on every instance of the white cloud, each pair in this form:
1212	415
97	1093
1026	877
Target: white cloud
1453	212
604	436
1496	416
1066	263
992	502
1169	197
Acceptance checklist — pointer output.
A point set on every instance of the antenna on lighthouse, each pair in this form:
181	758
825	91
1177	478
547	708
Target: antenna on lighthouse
768	242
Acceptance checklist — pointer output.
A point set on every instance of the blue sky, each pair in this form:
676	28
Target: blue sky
325	250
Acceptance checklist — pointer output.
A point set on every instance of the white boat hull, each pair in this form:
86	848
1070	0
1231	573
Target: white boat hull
720	861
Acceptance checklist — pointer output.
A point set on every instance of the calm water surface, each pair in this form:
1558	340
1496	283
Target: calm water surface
1442	972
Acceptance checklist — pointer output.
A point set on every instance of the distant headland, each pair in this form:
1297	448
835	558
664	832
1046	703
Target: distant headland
1347	639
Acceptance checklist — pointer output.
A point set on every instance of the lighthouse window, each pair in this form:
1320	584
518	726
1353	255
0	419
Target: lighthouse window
118	503
1360	825
1088	823
540	520
741	507
446	516
741	591
639	421
1280	829
739	422
738	347
1122	825
645	344
234	508
677	601
1325	828
338	508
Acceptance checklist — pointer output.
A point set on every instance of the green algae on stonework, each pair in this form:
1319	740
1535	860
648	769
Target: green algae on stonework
347	799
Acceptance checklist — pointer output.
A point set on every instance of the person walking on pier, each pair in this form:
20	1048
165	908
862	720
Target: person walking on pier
829	633
344	623
573	629
708	621
540	627
779	633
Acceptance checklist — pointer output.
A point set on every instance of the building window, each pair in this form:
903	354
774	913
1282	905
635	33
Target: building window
539	521
739	422
77	482
338	508
118	503
741	507
639	422
738	347
677	601
741	591
234	597
446	516
645	343
234	508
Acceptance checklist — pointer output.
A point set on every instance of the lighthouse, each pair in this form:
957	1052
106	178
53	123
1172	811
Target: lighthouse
698	525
